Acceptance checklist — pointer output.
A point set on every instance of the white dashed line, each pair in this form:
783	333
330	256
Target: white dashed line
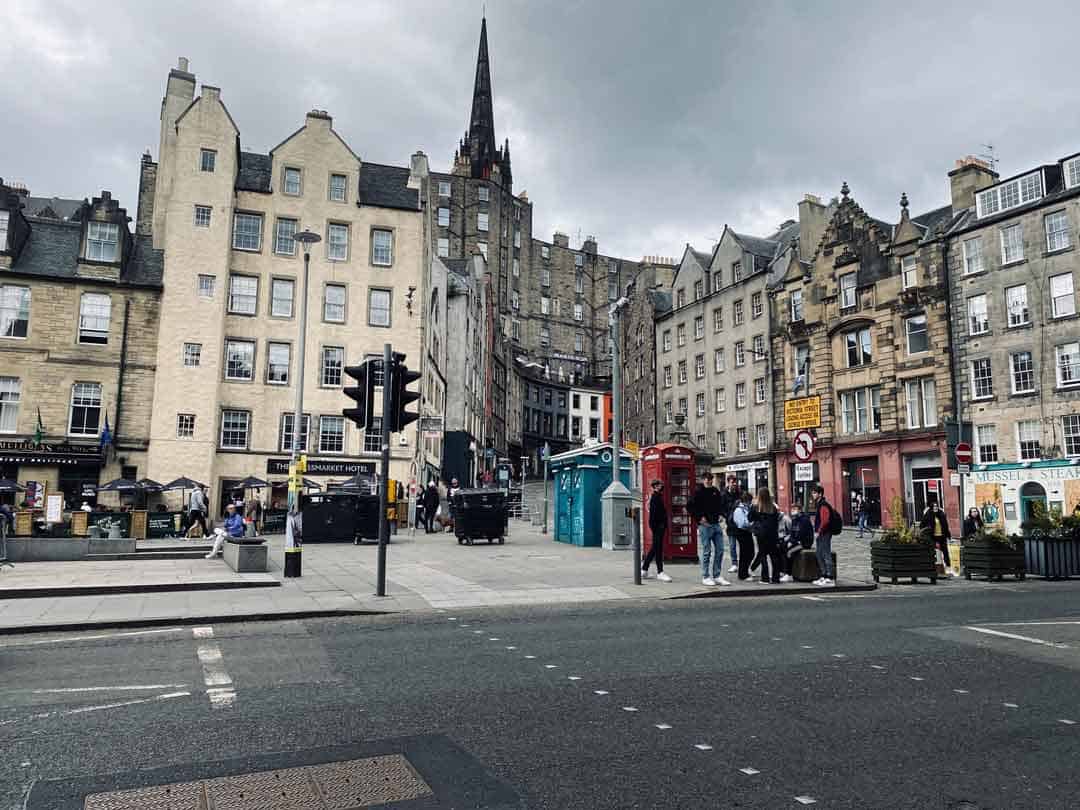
875	666
599	692
806	800
478	632
962	691
629	708
813	598
839	655
551	666
452	619
511	648
494	639
703	747
463	626
916	678
573	677
1018	637
807	646
530	657
749	771
150	687
219	685
1010	705
1063	721
70	639
663	726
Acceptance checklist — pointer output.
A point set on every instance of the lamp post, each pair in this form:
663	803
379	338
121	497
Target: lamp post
293	567
616	500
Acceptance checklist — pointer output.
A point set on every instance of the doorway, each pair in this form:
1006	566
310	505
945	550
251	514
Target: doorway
926	488
1032	502
861	481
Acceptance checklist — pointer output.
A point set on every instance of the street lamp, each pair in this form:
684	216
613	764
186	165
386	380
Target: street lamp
293	565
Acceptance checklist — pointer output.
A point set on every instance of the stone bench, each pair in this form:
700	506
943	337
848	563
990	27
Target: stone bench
246	555
804	566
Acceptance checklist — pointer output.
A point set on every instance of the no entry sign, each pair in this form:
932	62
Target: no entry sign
963	453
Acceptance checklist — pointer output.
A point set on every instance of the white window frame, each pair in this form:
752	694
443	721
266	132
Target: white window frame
759	390
270	349
738	315
699	367
699	327
740	395
909	272
1021	425
907	333
699	402
230	343
288	175
275	299
743	439
740	353
978	314
10	397
15	310
1064	311
721	442
762	437
796	302
444	188
720	397
95	314
331	364
236	428
443	247
757	306
665	339
1017	314
718	320
482	221
579	312
201	218
102	242
87	396
244	237
1067	373
343	304
372	310
332	189
864	415
205	285
680	334
982	447
330	447
285	431
382	254
191	355
545	305
1070	435
443	217
285	236
1012	250
1056	227
921	396
1014	371
719	361
185	426
682	367
667	376
973	256
207	160
337	242
1007	196
235	298
979	363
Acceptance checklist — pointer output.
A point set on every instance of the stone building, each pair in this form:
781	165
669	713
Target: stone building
544	415
649	294
80	298
466	320
226	220
861	335
1016	335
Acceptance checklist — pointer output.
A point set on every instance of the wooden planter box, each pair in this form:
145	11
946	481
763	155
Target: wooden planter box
994	560
897	560
1053	558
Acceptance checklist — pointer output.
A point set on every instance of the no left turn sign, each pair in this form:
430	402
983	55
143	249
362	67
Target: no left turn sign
803	446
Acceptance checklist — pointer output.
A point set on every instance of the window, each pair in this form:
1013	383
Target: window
1057	231
545	336
4	217
277	364
758	348
207	159
378	307
858	346
444	188
699	402
978	317
482	221
917	338
699	290
699	327
759	390
921	402
1012	244
738	316
718	319
682	405
756	307
85	409
740	395
333	360
718	360
848	297
334	303
860	410
1063	303
1017	305
802	367
337	242
1070	431
1029	439
744	444
290	183
235	427
594	403
699	366
515	299
545	305
982	378
736	272
243	294
667	413
444	217
717	282
1009	195
202	217
331	434
682	372
1072	173
545	252
680	333
680	298
762	437
517	238
206	285
796	305
721	442
338	183
666	338
239	360
613	289
579	339
740	354
973	259
281	297
909	273
285	237
1068	364
443	247
1023	372
986	443
185	426
247	231
192	355
721	400
10	394
94	312
483	194
667	376
287	420
575	427
579	283
545	277
382	247
102	242
579	260
515	265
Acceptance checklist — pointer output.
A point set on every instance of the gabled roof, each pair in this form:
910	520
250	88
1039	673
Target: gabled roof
765	248
52	251
387	187
255	173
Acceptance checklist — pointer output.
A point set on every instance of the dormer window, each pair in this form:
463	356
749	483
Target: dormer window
4	216
1072	173
102	242
1009	195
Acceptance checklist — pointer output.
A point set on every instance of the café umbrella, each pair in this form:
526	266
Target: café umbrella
8	487
183	483
149	485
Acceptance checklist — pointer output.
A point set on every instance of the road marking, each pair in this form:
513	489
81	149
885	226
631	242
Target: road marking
97	708
806	800
463	626
493	639
962	691
599	692
1010	705
452	619
573	677
703	747
511	648
629	708
663	726
916	678
1067	722
150	687
1018	637
807	646
749	771
1032	624
219	684
813	598
98	637
777	639
478	632
838	655
875	666
551	666
530	657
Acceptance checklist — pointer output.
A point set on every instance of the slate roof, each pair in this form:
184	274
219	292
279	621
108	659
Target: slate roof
704	259
458	266
662	301
53	249
765	248
934	221
63	208
255	172
387	187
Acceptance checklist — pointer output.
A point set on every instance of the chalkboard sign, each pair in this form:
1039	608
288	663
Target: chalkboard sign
273	521
108	519
163	524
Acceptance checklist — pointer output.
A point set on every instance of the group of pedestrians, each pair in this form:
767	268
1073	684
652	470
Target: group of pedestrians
759	535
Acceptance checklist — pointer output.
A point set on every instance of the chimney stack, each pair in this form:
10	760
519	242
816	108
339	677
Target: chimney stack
561	239
813	218
970	176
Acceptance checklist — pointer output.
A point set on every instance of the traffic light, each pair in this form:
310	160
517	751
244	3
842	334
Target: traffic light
363	392
400	396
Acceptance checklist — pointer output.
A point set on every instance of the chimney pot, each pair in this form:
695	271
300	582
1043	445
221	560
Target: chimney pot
182	64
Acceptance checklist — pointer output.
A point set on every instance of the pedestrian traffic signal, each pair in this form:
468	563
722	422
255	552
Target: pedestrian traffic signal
400	396
362	393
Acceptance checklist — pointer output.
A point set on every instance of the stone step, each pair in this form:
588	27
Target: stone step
182	554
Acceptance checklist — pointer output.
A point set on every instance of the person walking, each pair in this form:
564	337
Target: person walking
827	523
936	524
765	528
731	498
743	534
252	514
704	508
431	506
973	523
658	527
197	510
860	513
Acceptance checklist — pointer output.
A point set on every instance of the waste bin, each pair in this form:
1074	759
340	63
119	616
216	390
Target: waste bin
479	514
340	517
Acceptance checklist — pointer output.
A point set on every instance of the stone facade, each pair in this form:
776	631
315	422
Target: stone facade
467	321
649	294
224	219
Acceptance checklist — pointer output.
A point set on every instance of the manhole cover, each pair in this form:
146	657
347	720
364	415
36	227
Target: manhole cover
343	785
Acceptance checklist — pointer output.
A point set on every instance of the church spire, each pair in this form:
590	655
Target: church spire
480	142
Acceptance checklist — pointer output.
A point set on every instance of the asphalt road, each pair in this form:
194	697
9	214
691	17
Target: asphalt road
929	698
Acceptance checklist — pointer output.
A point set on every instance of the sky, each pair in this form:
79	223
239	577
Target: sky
648	125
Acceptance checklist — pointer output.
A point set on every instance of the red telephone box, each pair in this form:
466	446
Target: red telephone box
674	465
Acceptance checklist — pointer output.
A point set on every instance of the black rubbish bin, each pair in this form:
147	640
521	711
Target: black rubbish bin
479	514
340	517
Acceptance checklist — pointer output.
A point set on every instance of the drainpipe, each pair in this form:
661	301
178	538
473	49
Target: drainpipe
120	374
956	369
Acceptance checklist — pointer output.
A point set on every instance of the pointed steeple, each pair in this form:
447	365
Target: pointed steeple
480	141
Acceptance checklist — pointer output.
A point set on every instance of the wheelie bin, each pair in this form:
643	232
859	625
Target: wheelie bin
479	514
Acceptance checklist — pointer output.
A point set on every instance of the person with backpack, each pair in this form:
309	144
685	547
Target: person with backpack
765	521
827	524
740	519
658	526
936	524
729	499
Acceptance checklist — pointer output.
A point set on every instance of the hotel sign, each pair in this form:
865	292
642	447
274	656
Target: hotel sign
315	466
26	452
802	413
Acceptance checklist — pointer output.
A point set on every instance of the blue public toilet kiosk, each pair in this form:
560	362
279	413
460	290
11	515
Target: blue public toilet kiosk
581	476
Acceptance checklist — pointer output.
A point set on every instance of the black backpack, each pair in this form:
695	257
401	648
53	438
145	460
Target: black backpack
836	523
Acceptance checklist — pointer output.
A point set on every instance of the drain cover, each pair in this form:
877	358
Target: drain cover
343	785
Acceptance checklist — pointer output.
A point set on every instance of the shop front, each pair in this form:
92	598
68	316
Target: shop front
751	475
72	470
1008	495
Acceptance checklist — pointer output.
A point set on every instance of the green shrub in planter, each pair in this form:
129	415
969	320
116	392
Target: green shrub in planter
994	554
903	551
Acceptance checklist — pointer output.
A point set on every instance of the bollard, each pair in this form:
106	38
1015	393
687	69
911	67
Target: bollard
634	513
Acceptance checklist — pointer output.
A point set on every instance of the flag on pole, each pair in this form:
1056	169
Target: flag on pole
39	429
106	434
800	377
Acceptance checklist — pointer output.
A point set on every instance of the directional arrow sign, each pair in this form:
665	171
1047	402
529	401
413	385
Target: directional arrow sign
803	446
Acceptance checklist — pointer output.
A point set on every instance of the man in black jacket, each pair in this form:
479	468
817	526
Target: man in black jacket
706	508
658	527
729	499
